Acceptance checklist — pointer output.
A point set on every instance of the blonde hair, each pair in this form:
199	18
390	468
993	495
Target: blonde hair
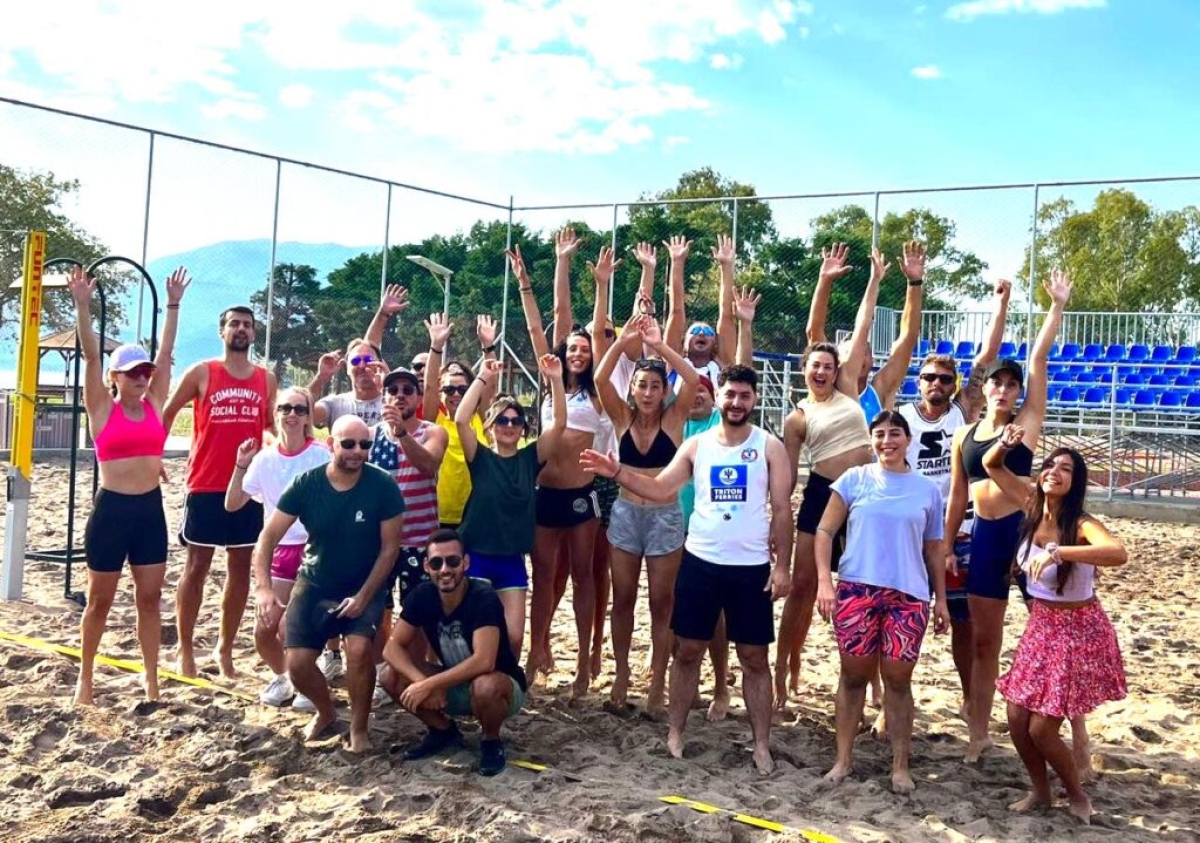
502	403
309	432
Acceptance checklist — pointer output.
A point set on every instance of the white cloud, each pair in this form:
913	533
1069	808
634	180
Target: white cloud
927	71
296	96
243	109
972	9
721	61
672	141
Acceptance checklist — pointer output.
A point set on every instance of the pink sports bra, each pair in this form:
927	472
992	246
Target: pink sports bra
121	438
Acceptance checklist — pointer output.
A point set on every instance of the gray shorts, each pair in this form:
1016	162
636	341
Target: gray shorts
646	529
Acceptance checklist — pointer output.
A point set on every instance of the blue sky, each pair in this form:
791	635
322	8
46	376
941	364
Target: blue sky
585	101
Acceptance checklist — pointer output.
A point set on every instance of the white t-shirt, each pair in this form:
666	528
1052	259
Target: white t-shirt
929	450
345	404
892	515
712	369
272	470
731	523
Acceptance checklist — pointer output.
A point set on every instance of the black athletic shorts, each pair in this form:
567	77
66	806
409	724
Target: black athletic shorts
408	572
124	527
817	492
312	619
704	590
566	508
206	523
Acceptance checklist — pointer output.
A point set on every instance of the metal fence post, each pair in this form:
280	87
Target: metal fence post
504	300
145	236
387	241
875	224
271	274
616	211
734	233
1032	269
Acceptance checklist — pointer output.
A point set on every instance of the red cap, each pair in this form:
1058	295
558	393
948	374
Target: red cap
706	383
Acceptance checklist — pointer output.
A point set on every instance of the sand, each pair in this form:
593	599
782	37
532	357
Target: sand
205	765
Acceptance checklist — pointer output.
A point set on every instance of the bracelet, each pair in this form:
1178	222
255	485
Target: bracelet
433	350
525	289
403	432
237	464
491	349
172	307
916	283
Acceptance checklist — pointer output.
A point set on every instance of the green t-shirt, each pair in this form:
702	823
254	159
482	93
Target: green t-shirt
499	516
343	527
687	493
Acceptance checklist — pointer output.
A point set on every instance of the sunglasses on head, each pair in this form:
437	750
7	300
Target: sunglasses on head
395	389
509	421
451	562
651	363
350	444
461	389
361	359
143	370
940	377
298	409
701	330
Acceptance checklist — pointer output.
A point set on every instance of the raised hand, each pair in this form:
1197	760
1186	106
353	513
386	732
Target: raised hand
645	306
745	303
724	252
879	266
604	266
594	462
518	265
491	370
833	261
245	453
81	286
566	244
678	247
651	332
1058	286
550	365
912	261
486	329
439	328
646	255
1011	436
177	285
394	299
1003	288
329	364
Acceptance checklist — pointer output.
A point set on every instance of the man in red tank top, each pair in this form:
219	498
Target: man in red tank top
232	401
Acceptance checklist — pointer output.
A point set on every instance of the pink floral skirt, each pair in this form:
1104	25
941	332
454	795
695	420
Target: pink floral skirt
1067	664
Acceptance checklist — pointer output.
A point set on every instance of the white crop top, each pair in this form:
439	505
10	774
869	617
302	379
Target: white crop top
581	412
1080	585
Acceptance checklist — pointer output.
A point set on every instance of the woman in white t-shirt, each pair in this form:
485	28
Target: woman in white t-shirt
881	606
263	475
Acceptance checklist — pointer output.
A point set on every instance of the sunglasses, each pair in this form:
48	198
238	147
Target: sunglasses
144	370
298	409
436	562
652	363
944	379
418	367
461	389
509	421
361	360
702	331
349	444
406	390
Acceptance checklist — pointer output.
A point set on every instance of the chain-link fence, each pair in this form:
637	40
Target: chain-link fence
311	247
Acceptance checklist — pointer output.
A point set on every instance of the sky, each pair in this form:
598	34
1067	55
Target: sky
560	101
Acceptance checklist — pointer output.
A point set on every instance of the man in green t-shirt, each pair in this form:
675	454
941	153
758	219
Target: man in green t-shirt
353	513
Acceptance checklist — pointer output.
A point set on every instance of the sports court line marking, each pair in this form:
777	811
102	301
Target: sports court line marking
121	664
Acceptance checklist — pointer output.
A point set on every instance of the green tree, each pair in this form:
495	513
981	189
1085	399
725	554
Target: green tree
33	201
293	322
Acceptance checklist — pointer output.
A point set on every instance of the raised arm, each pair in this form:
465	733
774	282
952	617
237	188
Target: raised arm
426	457
643	302
1033	411
160	381
549	440
394	300
724	254
833	267
602	272
745	305
678	248
1016	489
235	495
190	387
677	413
663	487
891	375
611	400
566	244
470	404
327	367
96	397
860	340
439	328
971	394
486	330
533	319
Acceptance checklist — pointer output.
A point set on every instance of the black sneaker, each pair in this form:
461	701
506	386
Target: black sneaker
435	742
491	757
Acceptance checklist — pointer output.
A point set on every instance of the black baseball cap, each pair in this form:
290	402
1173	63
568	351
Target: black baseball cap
1006	365
401	373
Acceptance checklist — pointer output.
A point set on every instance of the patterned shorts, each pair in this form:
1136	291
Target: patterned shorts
873	620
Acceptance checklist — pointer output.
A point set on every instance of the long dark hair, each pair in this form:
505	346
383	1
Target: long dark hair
585	380
1070	512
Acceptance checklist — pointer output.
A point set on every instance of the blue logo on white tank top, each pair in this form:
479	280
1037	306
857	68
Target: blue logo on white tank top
728	483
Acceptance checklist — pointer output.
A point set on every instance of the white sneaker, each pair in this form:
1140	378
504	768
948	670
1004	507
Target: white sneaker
302	703
380	698
330	663
278	692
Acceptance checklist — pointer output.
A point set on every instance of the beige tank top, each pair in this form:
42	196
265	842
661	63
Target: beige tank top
834	426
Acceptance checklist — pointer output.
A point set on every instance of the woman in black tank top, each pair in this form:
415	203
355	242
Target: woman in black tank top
648	437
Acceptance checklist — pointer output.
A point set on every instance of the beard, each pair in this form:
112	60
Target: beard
727	416
237	343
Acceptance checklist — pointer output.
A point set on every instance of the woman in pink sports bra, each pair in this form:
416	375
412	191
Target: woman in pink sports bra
127	519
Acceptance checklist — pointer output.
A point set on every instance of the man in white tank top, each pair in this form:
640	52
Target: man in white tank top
737	552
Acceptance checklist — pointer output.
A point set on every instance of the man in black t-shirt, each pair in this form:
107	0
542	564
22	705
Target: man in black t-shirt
353	513
477	674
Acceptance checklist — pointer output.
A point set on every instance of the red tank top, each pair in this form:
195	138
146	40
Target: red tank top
231	411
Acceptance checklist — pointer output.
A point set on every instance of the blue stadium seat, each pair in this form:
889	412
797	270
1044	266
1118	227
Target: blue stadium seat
1008	350
1186	381
1069	352
909	389
1023	351
1138	353
1054	393
1115	353
1096	396
1092	351
1160	380
1054	366
1061	376
1069	395
1173	371
1135	379
1106	377
944	347
1171	400
1143	399
1161	354
965	350
1185	354
1087	377
1193	400
1124	396
924	347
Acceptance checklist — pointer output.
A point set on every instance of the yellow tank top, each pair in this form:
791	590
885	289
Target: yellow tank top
454	478
834	426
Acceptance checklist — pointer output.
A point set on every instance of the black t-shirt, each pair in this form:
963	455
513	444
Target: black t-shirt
344	537
453	636
499	516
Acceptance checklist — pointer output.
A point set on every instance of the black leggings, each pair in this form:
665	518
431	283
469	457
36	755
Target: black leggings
125	526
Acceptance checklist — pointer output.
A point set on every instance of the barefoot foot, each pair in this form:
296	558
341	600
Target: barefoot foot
879	729
763	761
359	742
1081	809
318	727
150	687
719	707
838	774
224	662
185	664
83	693
1030	802
902	782
597	661
976	748
675	744
656	701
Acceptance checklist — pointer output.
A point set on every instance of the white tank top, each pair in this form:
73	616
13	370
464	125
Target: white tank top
1080	585
581	412
929	450
731	524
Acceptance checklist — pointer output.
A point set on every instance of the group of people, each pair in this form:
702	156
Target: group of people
432	490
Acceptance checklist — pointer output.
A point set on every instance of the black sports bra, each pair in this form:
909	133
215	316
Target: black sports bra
662	451
1019	460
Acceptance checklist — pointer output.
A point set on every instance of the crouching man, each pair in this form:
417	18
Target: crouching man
477	673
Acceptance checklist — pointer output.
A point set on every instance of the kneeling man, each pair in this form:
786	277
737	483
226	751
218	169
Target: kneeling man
477	673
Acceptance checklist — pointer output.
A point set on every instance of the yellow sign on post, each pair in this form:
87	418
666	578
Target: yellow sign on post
20	470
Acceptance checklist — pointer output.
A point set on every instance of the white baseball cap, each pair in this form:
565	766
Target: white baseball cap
127	357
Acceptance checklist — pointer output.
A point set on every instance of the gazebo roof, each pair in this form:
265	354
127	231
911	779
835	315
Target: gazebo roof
65	341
